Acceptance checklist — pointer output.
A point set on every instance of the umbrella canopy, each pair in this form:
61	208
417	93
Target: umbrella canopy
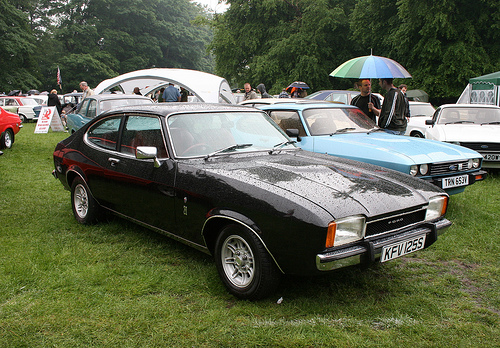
297	84
370	67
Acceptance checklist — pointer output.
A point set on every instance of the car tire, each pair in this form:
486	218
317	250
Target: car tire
85	208
7	139
23	118
417	135
244	265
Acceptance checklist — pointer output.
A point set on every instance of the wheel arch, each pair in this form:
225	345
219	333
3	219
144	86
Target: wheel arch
416	133
218	220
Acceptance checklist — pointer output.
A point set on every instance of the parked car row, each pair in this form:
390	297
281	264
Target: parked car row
10	125
23	106
283	187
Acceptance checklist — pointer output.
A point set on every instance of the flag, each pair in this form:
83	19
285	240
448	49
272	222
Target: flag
59	79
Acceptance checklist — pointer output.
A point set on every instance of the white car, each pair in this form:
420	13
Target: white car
420	112
470	125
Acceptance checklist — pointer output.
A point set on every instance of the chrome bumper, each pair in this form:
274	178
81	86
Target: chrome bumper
370	250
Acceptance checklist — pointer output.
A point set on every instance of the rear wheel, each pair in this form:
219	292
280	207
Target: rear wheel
85	208
417	135
23	118
244	265
7	139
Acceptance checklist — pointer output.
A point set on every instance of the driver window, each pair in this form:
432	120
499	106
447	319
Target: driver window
288	120
91	111
143	131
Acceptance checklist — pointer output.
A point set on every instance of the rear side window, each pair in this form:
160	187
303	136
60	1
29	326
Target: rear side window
104	133
143	131
288	120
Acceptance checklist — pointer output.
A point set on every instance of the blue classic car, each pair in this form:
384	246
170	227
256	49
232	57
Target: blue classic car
345	131
94	105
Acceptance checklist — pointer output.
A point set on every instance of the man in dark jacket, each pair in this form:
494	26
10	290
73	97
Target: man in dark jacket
262	89
393	113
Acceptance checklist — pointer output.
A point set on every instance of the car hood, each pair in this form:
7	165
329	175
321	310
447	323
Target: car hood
383	148
468	133
339	186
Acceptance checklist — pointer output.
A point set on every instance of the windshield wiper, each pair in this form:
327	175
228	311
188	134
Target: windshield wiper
457	122
280	145
342	130
228	149
494	122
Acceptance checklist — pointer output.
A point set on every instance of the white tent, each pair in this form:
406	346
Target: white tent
482	90
203	86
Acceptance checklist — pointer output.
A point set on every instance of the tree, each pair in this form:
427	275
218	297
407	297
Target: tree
442	44
279	41
16	50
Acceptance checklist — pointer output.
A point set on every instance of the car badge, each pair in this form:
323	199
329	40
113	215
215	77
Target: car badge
484	146
453	167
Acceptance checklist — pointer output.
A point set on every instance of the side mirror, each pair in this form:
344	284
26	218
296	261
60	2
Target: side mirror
293	133
148	152
429	122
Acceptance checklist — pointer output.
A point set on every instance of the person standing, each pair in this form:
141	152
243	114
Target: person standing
249	93
137	91
184	95
366	101
87	91
171	94
392	117
262	89
53	100
403	88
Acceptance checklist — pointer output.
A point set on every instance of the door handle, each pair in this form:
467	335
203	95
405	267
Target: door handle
113	161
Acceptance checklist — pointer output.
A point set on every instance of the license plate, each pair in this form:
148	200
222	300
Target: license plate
396	250
456	181
491	157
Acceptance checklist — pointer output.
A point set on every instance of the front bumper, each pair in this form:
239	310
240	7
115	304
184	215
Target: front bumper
370	250
473	177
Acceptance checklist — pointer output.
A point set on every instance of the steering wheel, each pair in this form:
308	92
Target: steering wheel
191	150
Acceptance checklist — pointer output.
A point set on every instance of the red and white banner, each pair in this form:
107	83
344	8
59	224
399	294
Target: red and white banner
49	118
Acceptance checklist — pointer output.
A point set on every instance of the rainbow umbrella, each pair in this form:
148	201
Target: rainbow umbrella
370	67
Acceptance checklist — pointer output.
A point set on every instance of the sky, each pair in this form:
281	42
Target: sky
213	5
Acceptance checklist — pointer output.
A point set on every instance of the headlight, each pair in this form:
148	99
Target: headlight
436	208
413	170
474	163
424	168
345	230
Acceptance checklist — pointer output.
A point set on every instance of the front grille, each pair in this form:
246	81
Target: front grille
448	167
480	147
394	222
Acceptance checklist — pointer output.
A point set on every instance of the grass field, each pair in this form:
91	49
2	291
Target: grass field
116	284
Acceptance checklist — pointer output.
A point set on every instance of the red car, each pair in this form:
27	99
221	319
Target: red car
10	124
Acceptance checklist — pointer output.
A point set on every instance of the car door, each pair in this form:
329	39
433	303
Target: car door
128	185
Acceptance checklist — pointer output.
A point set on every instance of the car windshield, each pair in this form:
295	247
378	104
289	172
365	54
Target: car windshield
105	105
29	101
202	134
337	120
469	115
421	110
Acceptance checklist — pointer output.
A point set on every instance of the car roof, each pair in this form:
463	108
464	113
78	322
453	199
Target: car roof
445	106
309	105
179	107
271	101
110	96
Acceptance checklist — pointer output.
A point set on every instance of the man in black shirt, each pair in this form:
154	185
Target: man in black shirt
393	113
366	101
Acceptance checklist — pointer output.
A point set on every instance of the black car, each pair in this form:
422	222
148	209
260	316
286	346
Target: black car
228	181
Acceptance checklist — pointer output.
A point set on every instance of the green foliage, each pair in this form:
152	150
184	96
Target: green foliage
16	50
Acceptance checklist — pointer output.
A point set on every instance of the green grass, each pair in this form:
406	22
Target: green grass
117	284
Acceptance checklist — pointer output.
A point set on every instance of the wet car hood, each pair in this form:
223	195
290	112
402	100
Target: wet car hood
340	186
386	147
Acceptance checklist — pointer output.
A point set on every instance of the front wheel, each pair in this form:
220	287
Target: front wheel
85	208
417	135
7	139
244	265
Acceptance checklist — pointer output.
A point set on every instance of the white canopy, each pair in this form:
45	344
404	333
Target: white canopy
205	87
